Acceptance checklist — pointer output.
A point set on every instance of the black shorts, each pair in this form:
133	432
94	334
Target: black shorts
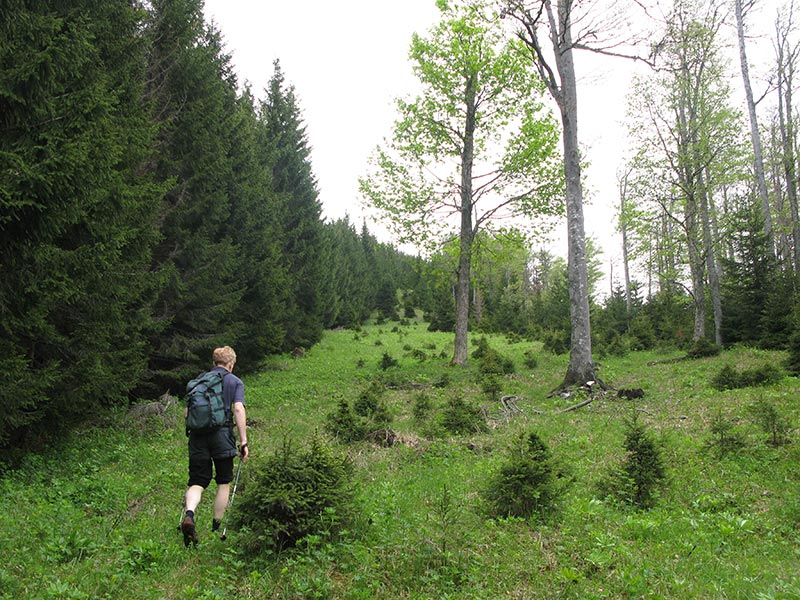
216	449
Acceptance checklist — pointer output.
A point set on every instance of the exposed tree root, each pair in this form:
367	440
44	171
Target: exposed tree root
567	389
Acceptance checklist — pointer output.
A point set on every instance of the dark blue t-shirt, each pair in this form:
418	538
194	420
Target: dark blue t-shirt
232	388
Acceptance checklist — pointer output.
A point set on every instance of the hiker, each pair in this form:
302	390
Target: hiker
217	447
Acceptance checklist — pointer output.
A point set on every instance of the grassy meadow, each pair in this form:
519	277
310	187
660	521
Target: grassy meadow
95	515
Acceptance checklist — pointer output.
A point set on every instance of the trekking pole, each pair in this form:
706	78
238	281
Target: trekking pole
183	514
224	535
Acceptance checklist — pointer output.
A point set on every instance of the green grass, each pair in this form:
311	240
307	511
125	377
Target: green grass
95	515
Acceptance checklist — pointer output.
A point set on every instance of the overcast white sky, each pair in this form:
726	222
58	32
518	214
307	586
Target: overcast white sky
348	61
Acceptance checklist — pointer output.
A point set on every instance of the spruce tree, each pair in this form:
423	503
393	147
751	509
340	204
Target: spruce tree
299	211
75	212
345	299
750	278
256	235
193	98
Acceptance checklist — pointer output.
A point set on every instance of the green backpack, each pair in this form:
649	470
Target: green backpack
205	404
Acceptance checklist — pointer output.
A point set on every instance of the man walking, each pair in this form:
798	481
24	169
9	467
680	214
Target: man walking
216	448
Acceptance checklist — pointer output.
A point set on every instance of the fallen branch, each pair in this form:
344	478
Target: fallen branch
579	405
509	404
667	361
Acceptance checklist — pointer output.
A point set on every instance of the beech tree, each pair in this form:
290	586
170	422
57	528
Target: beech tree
475	145
787	55
546	28
689	145
740	9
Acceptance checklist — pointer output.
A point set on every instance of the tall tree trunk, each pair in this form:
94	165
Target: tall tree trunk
467	233
623	226
711	261
758	159
697	273
581	367
786	59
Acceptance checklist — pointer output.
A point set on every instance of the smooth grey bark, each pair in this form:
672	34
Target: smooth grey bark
623	226
467	233
714	289
686	171
562	86
758	157
786	58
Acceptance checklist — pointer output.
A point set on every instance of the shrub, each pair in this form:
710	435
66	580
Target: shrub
724	436
525	483
418	354
460	418
702	348
491	361
729	378
775	424
793	360
764	375
443	381
530	359
619	345
295	493
726	379
344	424
556	341
642	333
491	387
367	402
637	479
422	407
387	361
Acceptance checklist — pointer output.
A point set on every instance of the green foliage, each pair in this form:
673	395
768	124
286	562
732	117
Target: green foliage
369	405
295	493
298	211
83	519
725	438
530	360
772	421
345	425
792	362
637	480
729	378
461	418
525	483
755	290
703	348
491	361
422	406
193	92
491	386
556	341
387	361
75	284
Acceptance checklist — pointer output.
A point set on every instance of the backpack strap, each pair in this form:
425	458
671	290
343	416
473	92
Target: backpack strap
228	410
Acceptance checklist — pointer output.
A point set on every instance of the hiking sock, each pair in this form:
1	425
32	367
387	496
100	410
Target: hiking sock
190	513
215	524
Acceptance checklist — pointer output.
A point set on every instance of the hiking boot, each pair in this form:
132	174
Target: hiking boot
189	531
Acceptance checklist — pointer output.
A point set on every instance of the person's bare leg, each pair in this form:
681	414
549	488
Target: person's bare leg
193	495
221	500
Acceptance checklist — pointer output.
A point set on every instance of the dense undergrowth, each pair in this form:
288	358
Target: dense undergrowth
95	515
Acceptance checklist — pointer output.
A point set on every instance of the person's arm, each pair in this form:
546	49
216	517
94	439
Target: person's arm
240	418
